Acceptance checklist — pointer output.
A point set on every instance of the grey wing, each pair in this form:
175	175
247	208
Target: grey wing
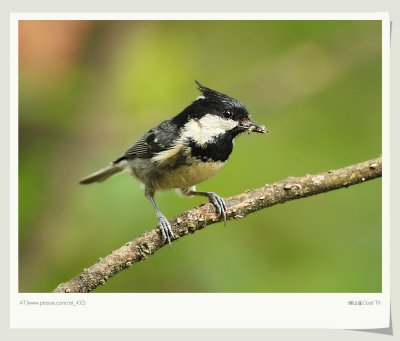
144	147
154	141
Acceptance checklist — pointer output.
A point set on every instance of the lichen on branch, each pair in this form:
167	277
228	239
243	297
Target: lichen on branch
238	207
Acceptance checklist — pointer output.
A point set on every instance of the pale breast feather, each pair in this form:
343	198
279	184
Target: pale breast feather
170	156
187	175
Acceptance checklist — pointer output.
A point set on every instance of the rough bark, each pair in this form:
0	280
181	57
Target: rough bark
238	206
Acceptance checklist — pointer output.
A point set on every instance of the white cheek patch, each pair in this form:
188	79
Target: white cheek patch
215	122
202	131
207	128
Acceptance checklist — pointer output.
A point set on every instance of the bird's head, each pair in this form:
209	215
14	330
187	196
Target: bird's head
219	111
212	115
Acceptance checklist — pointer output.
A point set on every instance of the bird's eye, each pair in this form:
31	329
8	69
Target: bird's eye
227	113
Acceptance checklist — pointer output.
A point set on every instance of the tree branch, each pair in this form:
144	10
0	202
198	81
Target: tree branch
238	206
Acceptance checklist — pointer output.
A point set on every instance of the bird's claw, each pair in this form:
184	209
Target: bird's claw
219	204
165	228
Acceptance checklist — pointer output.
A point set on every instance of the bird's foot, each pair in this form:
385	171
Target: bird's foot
219	204
165	228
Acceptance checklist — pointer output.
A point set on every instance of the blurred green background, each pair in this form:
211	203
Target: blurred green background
88	89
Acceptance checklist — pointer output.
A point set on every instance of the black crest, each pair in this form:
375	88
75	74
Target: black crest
211	101
217	97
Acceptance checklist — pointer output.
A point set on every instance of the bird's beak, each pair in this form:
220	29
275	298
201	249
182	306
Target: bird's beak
248	125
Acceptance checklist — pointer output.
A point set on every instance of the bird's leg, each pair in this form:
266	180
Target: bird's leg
165	226
214	198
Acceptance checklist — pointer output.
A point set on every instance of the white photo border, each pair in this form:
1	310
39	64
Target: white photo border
169	311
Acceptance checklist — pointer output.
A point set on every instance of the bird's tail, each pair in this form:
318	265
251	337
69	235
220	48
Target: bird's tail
102	174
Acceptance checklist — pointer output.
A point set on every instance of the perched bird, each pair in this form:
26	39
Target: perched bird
185	150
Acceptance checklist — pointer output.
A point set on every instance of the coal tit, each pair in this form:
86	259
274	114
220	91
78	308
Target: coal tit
185	150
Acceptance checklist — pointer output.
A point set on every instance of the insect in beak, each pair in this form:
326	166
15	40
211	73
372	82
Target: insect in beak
250	126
